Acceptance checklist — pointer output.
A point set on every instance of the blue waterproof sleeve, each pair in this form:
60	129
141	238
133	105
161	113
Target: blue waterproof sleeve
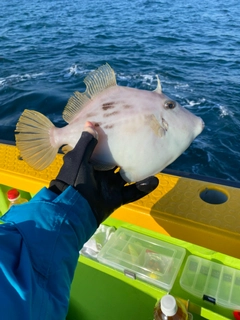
39	249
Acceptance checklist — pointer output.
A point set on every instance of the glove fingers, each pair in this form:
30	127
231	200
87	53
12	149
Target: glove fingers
91	144
77	158
138	190
118	180
85	146
148	185
114	180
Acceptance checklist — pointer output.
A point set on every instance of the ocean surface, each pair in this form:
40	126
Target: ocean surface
47	47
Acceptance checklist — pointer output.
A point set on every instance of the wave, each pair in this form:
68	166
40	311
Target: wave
16	78
224	111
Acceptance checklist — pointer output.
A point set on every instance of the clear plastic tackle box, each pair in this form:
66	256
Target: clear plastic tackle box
210	280
143	257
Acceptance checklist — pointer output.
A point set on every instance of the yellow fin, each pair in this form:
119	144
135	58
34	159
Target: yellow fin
74	105
96	82
99	80
33	141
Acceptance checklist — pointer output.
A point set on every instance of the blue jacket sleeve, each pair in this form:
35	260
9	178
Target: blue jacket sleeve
39	250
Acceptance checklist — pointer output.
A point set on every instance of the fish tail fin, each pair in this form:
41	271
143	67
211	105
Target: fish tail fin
33	139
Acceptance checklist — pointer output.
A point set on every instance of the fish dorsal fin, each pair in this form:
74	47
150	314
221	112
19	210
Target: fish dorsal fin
159	87
96	82
74	105
99	80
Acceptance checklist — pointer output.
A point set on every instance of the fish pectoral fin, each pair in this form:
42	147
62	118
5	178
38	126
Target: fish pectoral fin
65	149
33	139
96	82
159	87
155	125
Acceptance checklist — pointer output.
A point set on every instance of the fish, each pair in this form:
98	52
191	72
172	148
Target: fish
139	131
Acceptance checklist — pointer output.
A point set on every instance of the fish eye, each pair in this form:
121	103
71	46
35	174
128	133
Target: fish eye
170	104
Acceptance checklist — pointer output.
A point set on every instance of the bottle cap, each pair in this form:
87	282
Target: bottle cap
169	305
13	194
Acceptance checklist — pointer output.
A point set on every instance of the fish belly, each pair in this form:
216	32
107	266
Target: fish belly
132	146
137	152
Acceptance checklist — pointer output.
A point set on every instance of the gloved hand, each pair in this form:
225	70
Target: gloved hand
105	191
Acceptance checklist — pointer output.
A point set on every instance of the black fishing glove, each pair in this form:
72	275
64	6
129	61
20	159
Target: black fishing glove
105	191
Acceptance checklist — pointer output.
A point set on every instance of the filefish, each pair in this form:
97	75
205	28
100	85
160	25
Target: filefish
140	131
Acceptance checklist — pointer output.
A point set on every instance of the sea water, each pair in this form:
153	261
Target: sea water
47	47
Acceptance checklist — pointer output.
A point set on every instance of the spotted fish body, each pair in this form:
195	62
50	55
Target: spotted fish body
140	131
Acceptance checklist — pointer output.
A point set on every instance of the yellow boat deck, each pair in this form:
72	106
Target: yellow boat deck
175	208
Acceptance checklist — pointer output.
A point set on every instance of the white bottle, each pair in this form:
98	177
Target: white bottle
170	309
14	198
